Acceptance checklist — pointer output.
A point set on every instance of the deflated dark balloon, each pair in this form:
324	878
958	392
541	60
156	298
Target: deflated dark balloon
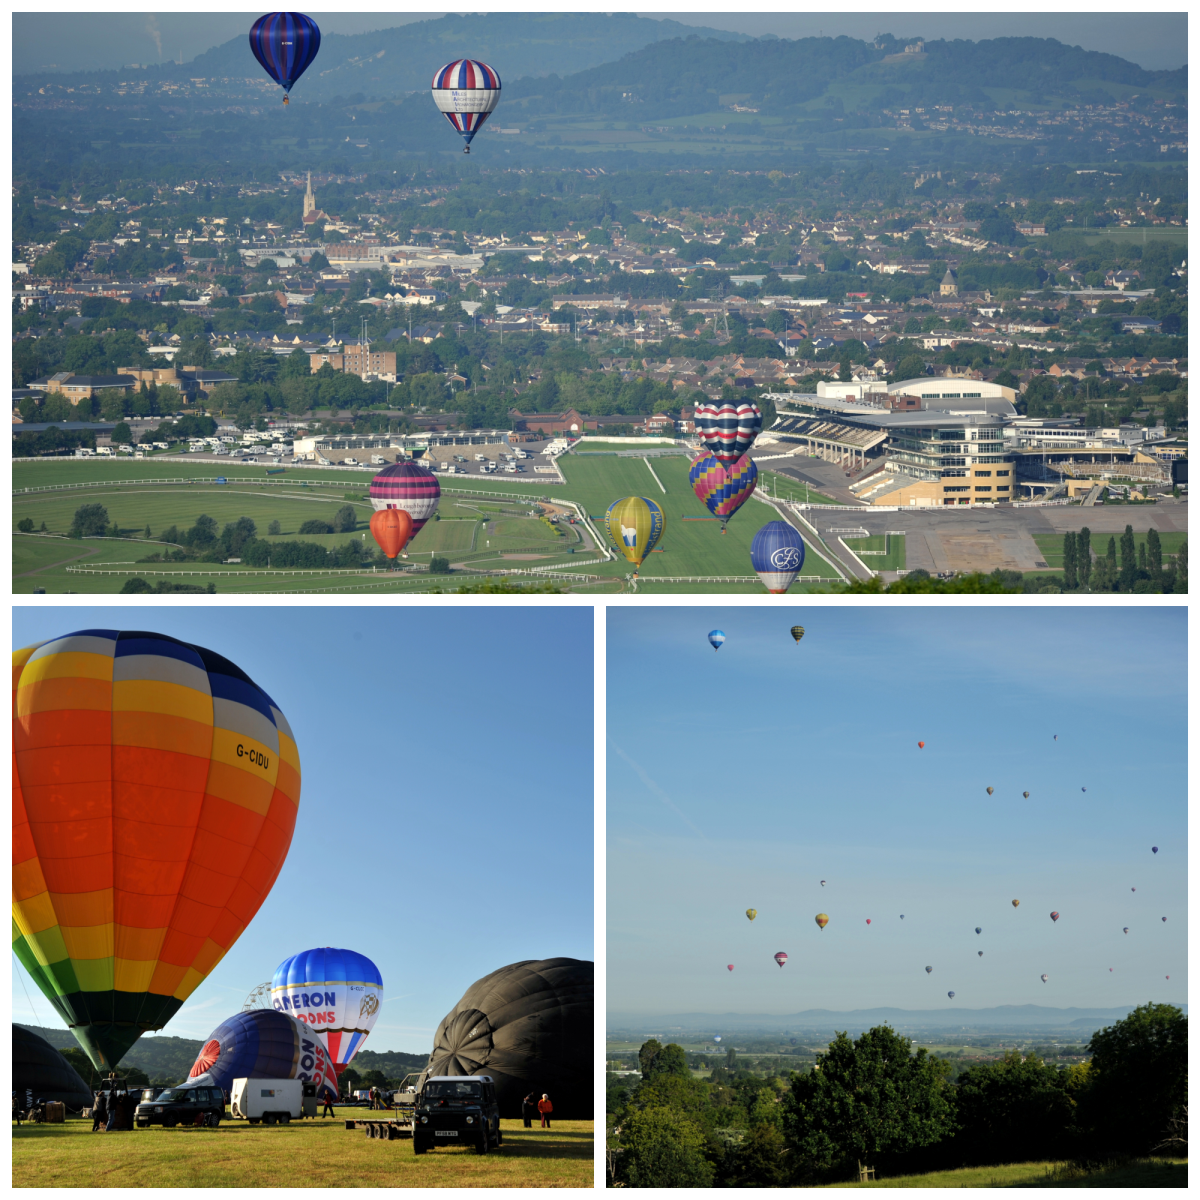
530	1027
39	1068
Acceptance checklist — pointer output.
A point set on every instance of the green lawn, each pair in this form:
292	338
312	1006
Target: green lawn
1148	1173
889	551
308	1154
1051	545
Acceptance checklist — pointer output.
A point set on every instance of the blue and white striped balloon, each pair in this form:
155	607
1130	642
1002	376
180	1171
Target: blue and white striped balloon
717	638
777	555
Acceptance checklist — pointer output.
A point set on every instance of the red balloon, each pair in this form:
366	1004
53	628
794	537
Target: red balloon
391	528
868	920
920	745
730	967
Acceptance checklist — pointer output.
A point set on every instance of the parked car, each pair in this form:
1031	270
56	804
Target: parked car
181	1106
453	1110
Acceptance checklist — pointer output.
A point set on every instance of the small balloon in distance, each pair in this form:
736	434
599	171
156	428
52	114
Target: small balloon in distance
928	970
1054	916
868	920
1045	977
1025	794
920	745
979	952
990	791
781	958
1153	849
716	638
751	913
729	967
797	632
821	919
978	928
1016	903
950	994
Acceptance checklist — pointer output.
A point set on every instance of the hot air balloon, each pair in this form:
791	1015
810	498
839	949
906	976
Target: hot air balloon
979	952
752	913
155	788
1025	794
978	928
723	488
1056	737
928	970
727	428
777	555
1153	849
1054	916
1083	789
822	920
466	92
781	958
716	638
529	1024
822	883
1126	929
1132	889
950	994
635	526
797	632
868	920
285	45
264	1044
920	745
716	1039
409	486
1045	977
902	916
338	991
391	528
990	791
1016	903
1164	920
729	967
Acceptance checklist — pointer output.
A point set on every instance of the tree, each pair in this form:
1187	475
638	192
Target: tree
25	524
91	520
662	1148
439	565
121	434
1083	555
274	529
345	520
82	1064
759	1161
1128	560
647	1054
1138	1079
867	1098
1070	569
911	366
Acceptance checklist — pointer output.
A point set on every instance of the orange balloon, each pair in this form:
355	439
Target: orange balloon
391	528
920	745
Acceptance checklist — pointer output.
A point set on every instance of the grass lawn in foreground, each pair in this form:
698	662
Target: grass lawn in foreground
308	1154
1145	1173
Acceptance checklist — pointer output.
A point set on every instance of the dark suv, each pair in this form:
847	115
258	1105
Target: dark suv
181	1106
453	1110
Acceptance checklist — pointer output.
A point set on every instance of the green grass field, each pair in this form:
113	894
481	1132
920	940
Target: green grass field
477	532
1145	1173
1051	545
307	1154
889	551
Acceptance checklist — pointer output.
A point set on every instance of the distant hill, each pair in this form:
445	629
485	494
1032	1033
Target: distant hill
390	62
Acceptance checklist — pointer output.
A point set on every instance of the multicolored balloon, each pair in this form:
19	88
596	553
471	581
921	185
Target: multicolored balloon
409	486
777	556
1025	794
822	920
978	928
928	970
990	791
285	45
716	638
466	92
264	1044
1016	903
950	994
1045	977
338	991
727	429
751	913
392	528
797	630
781	958
1054	916
155	789
634	525
979	952
1126	929
723	489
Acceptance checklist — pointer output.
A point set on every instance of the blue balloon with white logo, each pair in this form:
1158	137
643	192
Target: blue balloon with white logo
777	555
717	638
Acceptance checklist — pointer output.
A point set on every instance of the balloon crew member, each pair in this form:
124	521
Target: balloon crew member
545	1108
528	1108
328	1109
99	1110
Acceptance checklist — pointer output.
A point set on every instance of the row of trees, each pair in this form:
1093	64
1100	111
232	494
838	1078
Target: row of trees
1141	566
872	1101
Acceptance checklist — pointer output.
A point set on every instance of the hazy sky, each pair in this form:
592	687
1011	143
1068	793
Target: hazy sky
446	817
742	778
89	41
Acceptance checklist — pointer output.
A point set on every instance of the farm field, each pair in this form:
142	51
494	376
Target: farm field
301	1154
473	531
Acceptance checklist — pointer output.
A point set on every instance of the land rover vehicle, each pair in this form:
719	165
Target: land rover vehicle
455	1109
181	1106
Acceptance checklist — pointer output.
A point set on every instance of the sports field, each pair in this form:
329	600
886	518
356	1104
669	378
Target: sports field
884	553
474	532
307	1154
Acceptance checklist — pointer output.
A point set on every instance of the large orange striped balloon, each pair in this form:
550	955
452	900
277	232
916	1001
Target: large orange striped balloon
155	789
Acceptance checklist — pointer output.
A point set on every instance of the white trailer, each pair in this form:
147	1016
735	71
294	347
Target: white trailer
270	1101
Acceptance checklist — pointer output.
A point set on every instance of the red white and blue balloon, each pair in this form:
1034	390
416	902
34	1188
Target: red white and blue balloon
727	428
466	91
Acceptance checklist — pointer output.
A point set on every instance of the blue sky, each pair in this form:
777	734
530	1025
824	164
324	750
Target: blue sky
446	813
741	778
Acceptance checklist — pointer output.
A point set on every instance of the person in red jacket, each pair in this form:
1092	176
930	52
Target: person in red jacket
545	1108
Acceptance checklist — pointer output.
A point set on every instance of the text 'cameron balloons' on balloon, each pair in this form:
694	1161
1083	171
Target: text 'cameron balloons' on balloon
752	913
264	1044
716	638
391	528
466	92
155	788
337	991
635	526
723	487
285	45
408	486
821	919
781	958
530	1027
797	632
777	555
727	428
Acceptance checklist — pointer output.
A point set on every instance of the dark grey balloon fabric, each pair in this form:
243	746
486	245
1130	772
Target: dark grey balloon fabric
37	1066
530	1027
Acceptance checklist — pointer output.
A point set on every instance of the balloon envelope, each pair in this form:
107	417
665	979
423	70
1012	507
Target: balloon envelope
781	958
950	994
263	1044
1045	977
723	487
285	45
1153	849
920	745
466	91
1025	794
868	920
391	528
928	970
797	632
777	556
155	788
821	919
1126	929
978	928
409	486
38	1068
727	428
716	638
990	791
1016	903
530	1027
752	913
1054	916
729	967
979	952
339	992
634	526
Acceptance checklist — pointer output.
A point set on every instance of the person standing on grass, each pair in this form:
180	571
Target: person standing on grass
545	1108
528	1108
328	1110
99	1110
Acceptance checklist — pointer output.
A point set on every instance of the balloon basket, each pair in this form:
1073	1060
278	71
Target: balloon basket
286	100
